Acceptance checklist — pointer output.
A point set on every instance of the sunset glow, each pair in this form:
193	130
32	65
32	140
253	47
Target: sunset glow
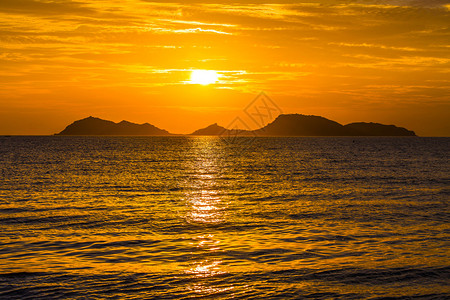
154	61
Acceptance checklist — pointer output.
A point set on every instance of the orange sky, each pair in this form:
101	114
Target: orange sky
380	61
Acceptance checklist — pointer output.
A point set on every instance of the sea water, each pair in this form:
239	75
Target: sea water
203	217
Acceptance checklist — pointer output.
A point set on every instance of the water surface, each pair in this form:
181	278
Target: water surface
181	217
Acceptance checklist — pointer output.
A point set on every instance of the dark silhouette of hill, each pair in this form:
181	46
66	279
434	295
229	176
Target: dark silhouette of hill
283	125
96	126
215	129
212	129
303	125
376	129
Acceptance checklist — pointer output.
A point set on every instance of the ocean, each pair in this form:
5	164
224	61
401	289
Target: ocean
202	217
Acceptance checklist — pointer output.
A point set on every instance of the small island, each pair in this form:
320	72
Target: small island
97	126
304	125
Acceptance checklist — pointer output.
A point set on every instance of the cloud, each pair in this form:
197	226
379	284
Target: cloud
189	30
365	45
44	8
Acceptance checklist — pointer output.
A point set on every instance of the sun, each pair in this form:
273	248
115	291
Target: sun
204	77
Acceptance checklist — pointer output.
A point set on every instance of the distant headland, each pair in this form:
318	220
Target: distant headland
283	125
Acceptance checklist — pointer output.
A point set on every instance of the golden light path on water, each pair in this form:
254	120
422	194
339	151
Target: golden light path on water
206	208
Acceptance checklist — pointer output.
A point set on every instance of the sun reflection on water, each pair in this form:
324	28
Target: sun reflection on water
205	210
205	207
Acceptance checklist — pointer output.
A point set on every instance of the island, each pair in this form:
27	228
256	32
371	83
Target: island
283	125
97	126
308	125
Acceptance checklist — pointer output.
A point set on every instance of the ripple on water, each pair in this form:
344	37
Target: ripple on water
177	218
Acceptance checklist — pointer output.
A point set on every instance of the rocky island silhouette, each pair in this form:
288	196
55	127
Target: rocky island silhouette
97	126
283	125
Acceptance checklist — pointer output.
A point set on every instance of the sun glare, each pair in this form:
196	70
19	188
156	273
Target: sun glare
204	77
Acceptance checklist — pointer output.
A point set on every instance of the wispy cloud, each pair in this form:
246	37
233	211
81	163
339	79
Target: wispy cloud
189	30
